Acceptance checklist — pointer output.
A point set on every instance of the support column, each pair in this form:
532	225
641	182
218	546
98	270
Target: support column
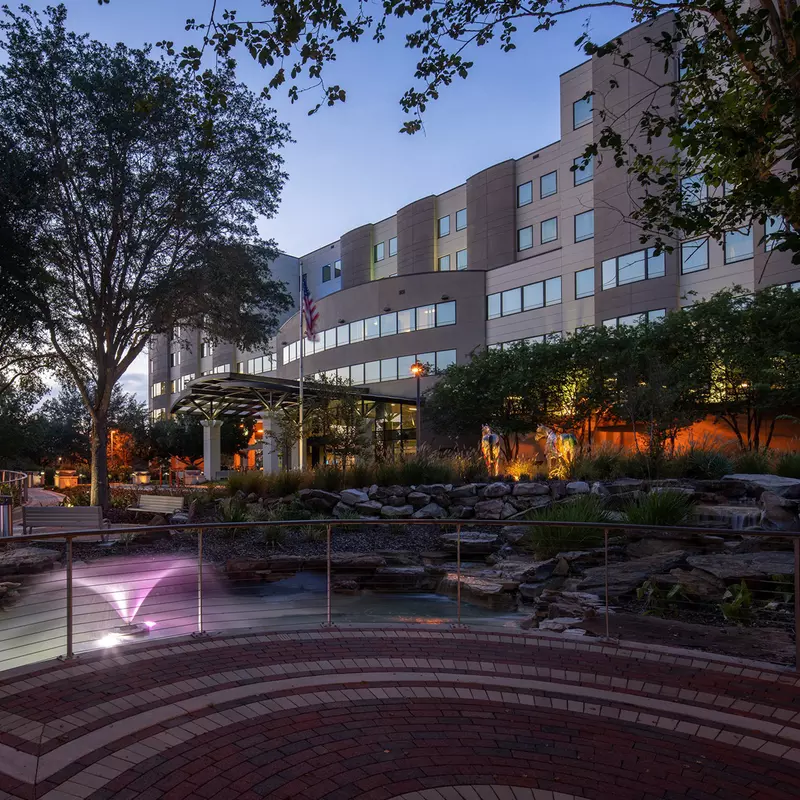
212	453
269	453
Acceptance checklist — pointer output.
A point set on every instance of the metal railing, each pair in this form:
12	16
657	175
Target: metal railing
16	484
108	592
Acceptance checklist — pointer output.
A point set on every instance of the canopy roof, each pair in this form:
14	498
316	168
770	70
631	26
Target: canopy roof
236	394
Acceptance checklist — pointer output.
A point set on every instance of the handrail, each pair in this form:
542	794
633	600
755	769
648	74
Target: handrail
12	477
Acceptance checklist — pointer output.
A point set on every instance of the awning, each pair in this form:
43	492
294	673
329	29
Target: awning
235	394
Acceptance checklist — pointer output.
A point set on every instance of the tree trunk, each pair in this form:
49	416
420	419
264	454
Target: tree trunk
100	491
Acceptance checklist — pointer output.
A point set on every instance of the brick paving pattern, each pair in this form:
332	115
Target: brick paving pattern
405	713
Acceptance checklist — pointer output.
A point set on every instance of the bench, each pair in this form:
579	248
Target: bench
76	518
158	504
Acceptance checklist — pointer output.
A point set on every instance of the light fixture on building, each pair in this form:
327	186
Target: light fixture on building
445	297
342	321
386	309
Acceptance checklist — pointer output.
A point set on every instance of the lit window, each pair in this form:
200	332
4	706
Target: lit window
380	253
582	112
512	301
533	296
445	359
552	291
738	245
548	184
357	373
493	306
584	226
372	328
389	369
389	324
393	246
406	320
549	230
584	172
372	372
337	268
426	317
461	219
525	238
326	273
524	194
584	283
446	313
444	264
444	226
694	256
772	227
461	259
206	349
342	335
693	190
174	359
357	331
158	389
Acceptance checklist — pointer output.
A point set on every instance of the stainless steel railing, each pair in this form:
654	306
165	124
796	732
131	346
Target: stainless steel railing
60	619
16	484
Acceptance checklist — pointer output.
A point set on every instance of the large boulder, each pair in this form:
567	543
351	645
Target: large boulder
467	490
496	490
624	577
8	589
768	483
357	562
778	513
24	560
397	512
738	566
508	511
396	501
433	488
430	511
248	569
625	485
418	499
480	591
696	583
735	517
578	487
489	509
352	496
513	533
528	489
372	508
401	579
329	498
473	543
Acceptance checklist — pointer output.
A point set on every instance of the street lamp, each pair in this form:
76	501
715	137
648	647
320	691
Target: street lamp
418	369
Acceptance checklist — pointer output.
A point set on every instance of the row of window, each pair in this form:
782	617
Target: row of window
545	338
206	349
392	369
255	366
632	267
379	250
447	264
443	223
548	186
216	370
331	271
636	319
180	384
524	298
583	229
435	315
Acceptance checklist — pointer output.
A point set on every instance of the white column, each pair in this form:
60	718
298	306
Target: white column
212	454
269	453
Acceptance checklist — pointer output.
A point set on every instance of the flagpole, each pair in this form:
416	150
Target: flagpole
301	345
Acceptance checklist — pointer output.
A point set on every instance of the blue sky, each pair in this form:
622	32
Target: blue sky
349	165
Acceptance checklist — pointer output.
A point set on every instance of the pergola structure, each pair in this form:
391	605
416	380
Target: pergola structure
229	395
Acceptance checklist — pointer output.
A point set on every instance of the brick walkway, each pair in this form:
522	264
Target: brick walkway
403	714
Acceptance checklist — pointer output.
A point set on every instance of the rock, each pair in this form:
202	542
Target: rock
345	586
248	569
561	568
372	508
467	490
401	579
528	489
489	509
285	563
441	499
480	591
192	511
737	566
8	589
352	496
734	517
687	490
180	518
396	491
578	560
400	558
340	509
624	577
531	591
494	490
373	491
430	511
695	582
578	487
621	500
459	512
319	505
513	533
397	512
526	503
473	543
654	545
418	499
778	513
469	502
625	485
356	562
157	520
558	489
431	488
600	489
396	502
770	483
507	511
560	624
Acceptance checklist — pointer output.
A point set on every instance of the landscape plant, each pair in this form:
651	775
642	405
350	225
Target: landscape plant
660	507
547	541
788	465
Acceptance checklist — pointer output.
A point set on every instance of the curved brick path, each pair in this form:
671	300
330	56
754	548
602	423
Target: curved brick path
405	713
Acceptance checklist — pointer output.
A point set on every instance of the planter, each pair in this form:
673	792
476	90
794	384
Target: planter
65	478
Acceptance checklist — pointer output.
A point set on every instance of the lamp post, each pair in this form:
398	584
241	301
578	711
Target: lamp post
418	370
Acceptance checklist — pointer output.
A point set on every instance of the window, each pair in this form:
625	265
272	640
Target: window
343	374
444	264
461	219
524	194
635	319
693	190
158	389
406	320
357	373
533	296
389	369
694	256
342	335
357	331
738	245
632	267
493	306
206	349
389	324
772	227
380	251
444	226
158	414
337	268
372	372
445	359
372	328
552	291
461	259
512	301
584	283
548	184
584	172
393	246
549	230
426	317
174	359
326	273
584	226
446	313
404	364
428	359
582	112
525	238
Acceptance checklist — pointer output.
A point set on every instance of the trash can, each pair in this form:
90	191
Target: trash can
6	515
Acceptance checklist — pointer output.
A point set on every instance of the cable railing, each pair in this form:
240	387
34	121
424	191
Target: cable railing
731	591
15	484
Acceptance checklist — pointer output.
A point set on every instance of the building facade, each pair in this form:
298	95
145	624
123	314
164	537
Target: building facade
526	249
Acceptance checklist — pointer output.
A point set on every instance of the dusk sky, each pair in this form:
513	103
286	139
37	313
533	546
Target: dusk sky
349	165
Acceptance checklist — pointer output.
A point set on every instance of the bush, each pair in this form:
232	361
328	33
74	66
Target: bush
752	462
286	482
601	464
527	467
468	466
328	477
546	542
660	508
359	475
700	463
788	465
250	482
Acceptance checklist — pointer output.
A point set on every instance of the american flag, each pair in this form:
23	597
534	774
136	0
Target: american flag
310	313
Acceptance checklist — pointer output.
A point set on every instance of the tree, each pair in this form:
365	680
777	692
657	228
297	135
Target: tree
150	198
181	436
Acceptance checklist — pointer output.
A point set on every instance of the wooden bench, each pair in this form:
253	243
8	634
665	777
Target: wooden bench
158	504
76	518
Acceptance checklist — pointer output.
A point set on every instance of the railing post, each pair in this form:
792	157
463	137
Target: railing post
328	621
605	549
797	603
458	573
70	653
200	631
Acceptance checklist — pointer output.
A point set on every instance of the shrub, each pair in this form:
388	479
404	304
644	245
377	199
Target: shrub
699	462
360	474
660	508
788	465
601	464
468	466
527	467
286	482
327	477
753	462
546	542
250	482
